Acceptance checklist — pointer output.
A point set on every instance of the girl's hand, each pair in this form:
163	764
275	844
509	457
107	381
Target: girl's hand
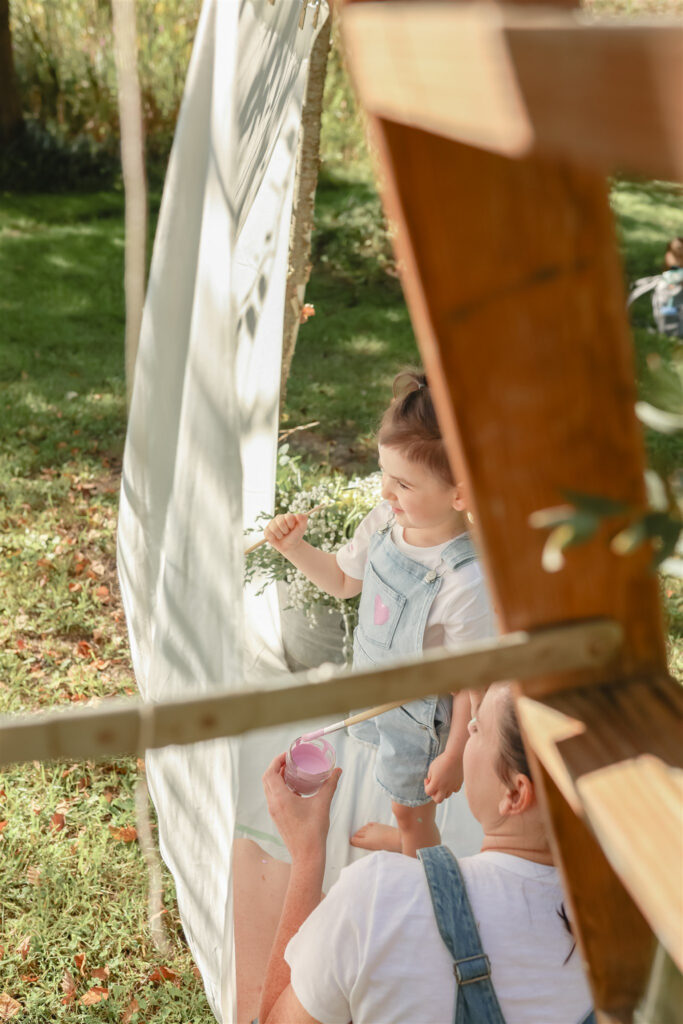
445	777
286	531
302	823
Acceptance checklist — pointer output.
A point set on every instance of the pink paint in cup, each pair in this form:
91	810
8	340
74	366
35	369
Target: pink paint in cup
308	764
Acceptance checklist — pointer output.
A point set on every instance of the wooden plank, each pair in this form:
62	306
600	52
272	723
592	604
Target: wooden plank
511	274
515	81
616	755
618	968
123	726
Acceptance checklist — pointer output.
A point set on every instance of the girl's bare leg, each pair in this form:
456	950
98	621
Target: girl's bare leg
416	829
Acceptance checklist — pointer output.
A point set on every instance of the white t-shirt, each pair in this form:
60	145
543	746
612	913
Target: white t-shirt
461	611
371	951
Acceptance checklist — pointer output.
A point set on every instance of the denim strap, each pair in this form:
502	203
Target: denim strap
475	999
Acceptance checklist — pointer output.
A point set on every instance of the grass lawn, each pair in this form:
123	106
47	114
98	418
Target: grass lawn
73	920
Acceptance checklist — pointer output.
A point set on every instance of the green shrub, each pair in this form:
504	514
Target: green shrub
64	60
43	161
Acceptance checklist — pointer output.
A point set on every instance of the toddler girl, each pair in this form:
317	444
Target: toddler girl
421	585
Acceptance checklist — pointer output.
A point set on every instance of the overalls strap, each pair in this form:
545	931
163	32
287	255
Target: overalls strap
460	551
475	999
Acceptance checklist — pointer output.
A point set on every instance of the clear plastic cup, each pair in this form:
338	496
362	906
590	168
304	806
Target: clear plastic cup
308	764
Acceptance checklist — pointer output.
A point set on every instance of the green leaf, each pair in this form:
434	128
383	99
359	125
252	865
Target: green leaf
596	504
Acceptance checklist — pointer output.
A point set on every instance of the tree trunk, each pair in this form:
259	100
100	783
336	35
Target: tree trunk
308	162
11	119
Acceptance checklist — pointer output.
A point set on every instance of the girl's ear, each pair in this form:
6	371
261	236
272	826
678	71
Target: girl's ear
458	499
519	797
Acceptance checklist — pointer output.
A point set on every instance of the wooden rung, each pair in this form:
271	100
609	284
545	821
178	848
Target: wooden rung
513	79
635	808
615	753
125	726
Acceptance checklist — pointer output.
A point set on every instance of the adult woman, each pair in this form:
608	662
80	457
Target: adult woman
372	950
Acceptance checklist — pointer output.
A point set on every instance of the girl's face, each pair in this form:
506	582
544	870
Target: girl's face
429	509
484	788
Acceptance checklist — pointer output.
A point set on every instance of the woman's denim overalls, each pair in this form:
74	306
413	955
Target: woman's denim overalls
475	1000
396	599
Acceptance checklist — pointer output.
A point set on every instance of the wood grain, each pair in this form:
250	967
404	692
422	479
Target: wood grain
601	94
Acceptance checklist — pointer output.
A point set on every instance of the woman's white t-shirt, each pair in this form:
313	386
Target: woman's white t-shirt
461	611
371	952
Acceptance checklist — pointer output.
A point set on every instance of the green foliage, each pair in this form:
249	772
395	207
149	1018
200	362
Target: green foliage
345	503
39	160
64	60
343	147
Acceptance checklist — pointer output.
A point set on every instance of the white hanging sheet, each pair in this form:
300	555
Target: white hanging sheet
200	463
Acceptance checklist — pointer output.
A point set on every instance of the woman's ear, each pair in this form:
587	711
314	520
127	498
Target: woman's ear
519	797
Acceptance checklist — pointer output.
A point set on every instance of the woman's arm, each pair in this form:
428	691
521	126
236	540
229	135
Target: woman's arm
303	825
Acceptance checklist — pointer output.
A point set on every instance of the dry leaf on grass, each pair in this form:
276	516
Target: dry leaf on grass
101	973
94	995
57	822
133	1007
165	974
8	1007
79	960
68	988
3	825
33	875
127	833
24	946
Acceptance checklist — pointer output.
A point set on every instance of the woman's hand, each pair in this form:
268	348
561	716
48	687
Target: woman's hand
286	531
445	777
302	823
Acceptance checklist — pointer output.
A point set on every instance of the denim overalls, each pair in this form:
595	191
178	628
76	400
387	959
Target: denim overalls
475	1000
396	598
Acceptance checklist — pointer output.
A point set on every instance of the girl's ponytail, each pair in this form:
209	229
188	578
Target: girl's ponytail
410	424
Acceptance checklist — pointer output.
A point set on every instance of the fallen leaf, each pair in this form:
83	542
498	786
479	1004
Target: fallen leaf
127	833
133	1007
165	974
307	310
30	979
68	988
79	960
24	947
21	644
3	794
3	825
74	588
33	876
57	822
197	973
102	973
8	1007
94	995
83	648
102	592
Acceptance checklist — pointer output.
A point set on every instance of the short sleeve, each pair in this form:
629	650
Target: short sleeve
352	557
469	613
324	956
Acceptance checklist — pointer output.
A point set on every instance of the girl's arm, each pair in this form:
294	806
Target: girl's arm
285	533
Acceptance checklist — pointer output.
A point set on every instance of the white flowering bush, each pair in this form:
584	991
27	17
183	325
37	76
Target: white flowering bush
346	502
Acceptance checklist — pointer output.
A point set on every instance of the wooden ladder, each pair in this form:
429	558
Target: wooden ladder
496	127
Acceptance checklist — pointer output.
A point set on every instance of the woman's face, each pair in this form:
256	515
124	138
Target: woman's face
483	786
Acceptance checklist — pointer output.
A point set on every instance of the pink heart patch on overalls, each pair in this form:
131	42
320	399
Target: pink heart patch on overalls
381	611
